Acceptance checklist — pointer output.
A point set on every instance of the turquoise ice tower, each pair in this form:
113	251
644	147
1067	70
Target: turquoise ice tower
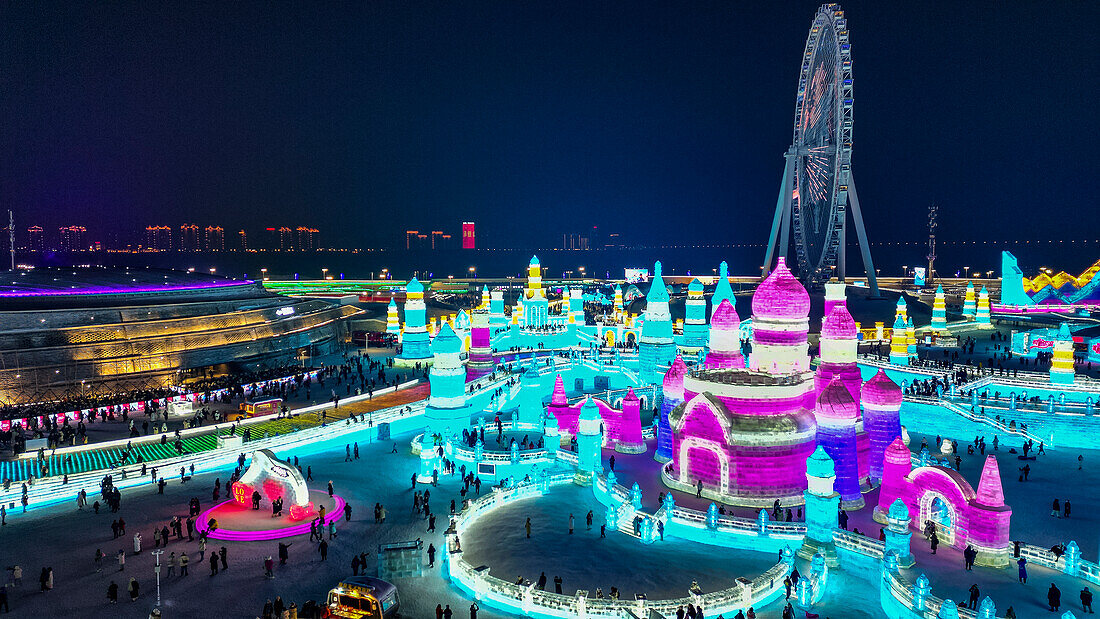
981	314
722	289
939	310
576	309
589	443
447	412
970	306
897	533
393	323
911	342
536	308
415	345
530	395
695	318
837	413
497	319
672	395
822	506
656	347
899	350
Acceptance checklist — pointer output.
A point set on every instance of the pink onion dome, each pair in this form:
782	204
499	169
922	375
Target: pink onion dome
781	296
725	318
882	391
898	453
836	402
674	377
630	397
839	325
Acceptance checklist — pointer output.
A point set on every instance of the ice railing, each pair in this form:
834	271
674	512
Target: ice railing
526	599
924	605
1069	562
860	544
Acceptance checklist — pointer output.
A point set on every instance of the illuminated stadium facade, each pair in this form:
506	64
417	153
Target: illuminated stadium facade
63	331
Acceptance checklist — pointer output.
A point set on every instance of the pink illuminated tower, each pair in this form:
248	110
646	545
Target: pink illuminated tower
672	395
881	399
839	340
725	339
559	407
481	360
837	412
630	426
990	518
897	462
780	323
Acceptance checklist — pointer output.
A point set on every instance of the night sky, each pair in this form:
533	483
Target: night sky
664	121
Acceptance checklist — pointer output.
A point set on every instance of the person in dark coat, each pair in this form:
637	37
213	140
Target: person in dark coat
1054	597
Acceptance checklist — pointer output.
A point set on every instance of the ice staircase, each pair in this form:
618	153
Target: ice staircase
627	514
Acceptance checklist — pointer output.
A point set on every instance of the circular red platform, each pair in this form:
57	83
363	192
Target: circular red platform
239	523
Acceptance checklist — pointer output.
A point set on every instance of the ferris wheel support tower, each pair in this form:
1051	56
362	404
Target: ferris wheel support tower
817	189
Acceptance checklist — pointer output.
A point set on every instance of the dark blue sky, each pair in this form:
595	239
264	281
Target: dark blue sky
664	121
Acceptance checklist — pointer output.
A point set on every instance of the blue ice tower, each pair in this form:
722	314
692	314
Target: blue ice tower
447	412
695	318
530	396
722	289
656	347
415	343
589	443
822	505
837	413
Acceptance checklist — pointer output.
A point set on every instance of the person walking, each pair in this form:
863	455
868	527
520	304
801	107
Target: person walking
1086	600
431	555
323	548
121	559
213	564
183	563
1022	563
527	527
112	592
570	524
171	564
133	588
1054	597
202	547
974	594
934	542
473	610
221	555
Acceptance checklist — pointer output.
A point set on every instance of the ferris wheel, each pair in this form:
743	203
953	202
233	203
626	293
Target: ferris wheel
817	188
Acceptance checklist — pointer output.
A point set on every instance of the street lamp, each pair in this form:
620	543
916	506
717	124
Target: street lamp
263	275
967	271
324	273
473	271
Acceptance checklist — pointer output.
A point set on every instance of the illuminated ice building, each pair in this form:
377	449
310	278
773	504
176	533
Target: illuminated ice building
415	344
657	348
745	434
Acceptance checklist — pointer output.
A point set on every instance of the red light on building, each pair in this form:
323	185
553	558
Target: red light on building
468	239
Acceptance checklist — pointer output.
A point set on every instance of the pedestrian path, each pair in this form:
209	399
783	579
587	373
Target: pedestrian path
108	458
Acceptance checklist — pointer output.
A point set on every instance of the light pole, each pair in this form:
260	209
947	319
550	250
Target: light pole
263	274
473	271
324	274
156	569
967	271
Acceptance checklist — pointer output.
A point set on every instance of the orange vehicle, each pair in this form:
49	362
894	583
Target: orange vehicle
257	408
